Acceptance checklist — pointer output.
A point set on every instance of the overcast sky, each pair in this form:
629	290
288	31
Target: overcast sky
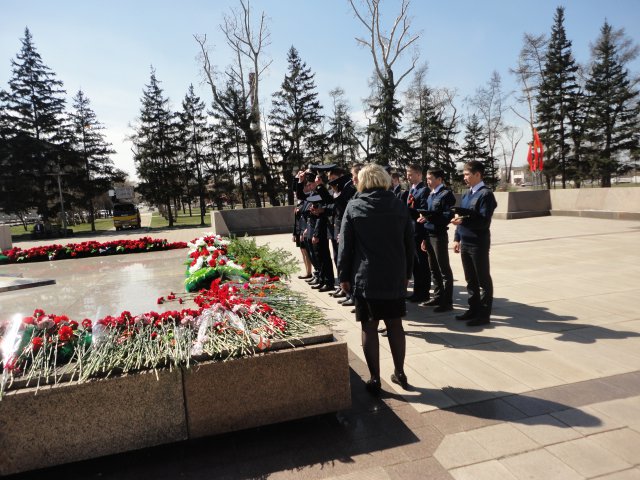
106	48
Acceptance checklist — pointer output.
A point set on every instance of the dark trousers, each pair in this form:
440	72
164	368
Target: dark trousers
421	274
441	274
475	263
334	247
312	256
325	262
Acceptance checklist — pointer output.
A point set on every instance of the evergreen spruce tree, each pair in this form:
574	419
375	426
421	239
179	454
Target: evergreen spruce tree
341	136
32	120
193	135
385	142
89	142
228	140
475	148
556	99
295	118
612	124
431	131
155	148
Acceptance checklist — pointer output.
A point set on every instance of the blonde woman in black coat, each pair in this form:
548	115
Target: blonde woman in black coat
375	261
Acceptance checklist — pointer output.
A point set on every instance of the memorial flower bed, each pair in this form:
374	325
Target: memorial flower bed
89	248
242	310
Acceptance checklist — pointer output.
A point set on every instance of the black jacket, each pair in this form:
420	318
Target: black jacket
376	246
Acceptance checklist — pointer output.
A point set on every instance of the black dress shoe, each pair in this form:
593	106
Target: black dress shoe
349	303
430	303
344	299
317	286
443	308
400	379
476	322
353	310
304	277
326	288
312	280
373	386
468	315
340	294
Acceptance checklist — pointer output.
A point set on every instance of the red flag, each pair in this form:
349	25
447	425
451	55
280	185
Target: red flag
530	157
538	160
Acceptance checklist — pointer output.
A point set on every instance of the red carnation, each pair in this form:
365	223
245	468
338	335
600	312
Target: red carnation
160	300
86	323
37	343
65	333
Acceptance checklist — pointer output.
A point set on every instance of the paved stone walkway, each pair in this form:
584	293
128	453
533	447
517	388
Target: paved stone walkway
550	390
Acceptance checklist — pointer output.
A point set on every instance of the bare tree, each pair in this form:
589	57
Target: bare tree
529	74
512	135
491	104
247	43
386	49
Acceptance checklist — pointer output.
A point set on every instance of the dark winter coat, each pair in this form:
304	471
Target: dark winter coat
376	246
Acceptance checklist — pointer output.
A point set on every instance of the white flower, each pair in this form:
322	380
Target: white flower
196	266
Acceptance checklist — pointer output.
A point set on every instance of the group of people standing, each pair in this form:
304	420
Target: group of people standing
382	236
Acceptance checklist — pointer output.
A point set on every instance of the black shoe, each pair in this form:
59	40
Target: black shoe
304	277
344	299
326	288
317	286
414	299
384	334
443	308
353	310
349	303
400	379
340	294
382	329
312	280
476	322
468	315
430	303
373	386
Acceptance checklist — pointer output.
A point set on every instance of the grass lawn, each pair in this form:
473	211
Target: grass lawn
102	225
183	220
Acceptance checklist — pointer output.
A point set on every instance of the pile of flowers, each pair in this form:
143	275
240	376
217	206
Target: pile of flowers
212	256
241	312
89	248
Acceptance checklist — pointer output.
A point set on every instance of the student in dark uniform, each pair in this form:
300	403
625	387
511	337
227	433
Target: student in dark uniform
396	187
436	242
472	241
417	199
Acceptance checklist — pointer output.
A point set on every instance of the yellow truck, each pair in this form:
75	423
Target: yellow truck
126	215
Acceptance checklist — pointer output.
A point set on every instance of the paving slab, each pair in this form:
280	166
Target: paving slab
558	365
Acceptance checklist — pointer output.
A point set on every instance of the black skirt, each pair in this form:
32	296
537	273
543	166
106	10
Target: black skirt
377	309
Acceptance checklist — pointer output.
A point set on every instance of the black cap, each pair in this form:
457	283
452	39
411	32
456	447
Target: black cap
322	168
340	181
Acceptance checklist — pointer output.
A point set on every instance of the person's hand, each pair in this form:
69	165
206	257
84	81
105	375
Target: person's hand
456	247
315	240
345	286
422	219
300	176
423	246
457	220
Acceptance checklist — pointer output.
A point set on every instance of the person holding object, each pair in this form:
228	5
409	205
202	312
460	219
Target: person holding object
417	199
472	241
375	264
436	243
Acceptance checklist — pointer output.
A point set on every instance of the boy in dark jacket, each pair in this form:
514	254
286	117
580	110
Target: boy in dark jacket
472	241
